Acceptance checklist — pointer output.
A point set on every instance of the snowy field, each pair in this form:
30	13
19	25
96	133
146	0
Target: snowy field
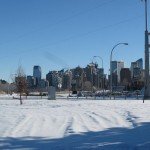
74	124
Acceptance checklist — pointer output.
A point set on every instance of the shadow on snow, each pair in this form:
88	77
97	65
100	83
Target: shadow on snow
114	138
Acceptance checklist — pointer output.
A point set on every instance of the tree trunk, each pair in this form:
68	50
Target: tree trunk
20	100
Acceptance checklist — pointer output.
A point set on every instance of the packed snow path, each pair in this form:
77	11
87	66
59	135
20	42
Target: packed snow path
75	124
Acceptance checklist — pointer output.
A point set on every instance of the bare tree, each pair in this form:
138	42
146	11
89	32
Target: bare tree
21	83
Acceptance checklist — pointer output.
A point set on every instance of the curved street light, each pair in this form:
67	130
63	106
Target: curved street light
111	63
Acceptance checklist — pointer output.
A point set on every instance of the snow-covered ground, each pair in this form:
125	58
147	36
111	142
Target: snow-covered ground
74	124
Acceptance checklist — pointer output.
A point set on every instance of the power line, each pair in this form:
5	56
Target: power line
60	21
79	35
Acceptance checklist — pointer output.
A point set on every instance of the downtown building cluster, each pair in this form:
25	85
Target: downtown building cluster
128	78
90	78
68	79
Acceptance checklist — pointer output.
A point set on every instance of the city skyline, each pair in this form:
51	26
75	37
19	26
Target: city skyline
56	35
134	64
90	76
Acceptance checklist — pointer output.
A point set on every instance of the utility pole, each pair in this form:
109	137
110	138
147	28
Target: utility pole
147	45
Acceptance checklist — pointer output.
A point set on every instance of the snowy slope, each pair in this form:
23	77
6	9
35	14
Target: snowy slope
75	124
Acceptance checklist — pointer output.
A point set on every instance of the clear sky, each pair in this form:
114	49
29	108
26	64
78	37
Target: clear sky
60	33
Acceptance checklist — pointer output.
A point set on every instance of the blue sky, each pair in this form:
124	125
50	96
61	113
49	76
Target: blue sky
60	33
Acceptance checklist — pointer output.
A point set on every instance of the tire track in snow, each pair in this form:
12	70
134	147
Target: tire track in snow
22	126
63	126
69	127
98	122
104	122
79	124
33	125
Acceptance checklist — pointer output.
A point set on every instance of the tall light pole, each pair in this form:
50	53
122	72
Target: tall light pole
111	63
147	45
103	72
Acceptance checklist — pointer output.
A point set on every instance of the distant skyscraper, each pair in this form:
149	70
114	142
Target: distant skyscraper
44	83
53	78
31	81
137	73
133	65
49	78
125	76
114	73
137	65
37	73
116	68
120	65
140	63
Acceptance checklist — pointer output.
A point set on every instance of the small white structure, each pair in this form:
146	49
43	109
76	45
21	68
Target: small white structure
51	93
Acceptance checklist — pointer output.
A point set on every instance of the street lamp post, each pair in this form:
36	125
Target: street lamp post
103	72
111	63
147	45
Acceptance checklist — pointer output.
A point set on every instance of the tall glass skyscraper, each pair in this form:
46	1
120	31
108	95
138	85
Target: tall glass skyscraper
37	73
137	65
140	63
116	68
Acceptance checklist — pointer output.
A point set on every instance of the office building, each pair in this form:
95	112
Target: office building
140	63
31	82
44	83
37	73
116	68
120	65
125	76
136	68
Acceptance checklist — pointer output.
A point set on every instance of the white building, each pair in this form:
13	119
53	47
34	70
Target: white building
116	68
